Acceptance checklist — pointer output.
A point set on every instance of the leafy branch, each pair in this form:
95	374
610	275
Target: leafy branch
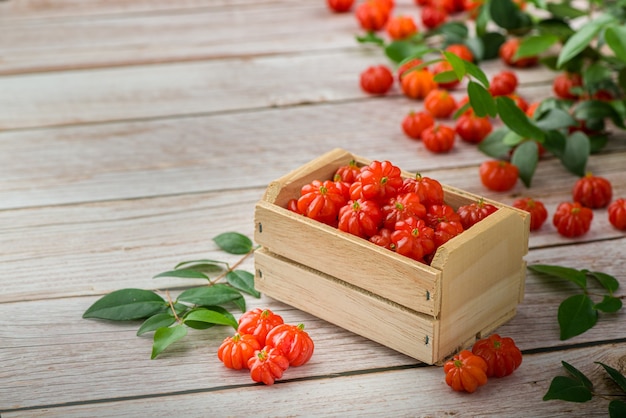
198	307
578	388
579	313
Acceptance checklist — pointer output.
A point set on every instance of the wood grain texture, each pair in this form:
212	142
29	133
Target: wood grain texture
131	133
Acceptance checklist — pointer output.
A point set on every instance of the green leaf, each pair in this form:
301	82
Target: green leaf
535	45
598	109
370	38
446	77
481	100
607	281
454	31
576	153
579	40
555	119
217	294
155	322
126	305
397	51
512	139
576	315
458	64
493	145
517	120
183	274
617	409
505	14
555	143
164	337
615	37
615	375
525	157
202	265
567	273
244	281
555	26
567	389
476	72
233	243
609	304
564	10
210	317
491	43
578	375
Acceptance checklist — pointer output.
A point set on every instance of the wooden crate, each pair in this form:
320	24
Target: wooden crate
473	285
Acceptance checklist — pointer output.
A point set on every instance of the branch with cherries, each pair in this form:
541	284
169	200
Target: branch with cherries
442	44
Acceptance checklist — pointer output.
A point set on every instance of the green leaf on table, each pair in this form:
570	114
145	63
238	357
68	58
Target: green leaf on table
217	294
457	63
209	316
576	276
244	281
607	281
482	20
183	274
567	389
453	31
617	409
615	375
398	51
554	143
581	39
609	304
615	37
525	157
535	45
555	119
126	305
202	265
160	320
164	337
576	315
506	14
517	120
476	72
598	109
492	41
370	38
564	10
555	26
578	375
493	145
233	243
512	139
446	77
481	100
576	153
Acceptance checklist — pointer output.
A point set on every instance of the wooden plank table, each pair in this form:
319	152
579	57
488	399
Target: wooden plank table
133	132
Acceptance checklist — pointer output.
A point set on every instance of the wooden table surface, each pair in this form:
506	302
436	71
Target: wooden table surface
131	133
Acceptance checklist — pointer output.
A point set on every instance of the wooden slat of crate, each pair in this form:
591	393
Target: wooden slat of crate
483	277
347	306
348	258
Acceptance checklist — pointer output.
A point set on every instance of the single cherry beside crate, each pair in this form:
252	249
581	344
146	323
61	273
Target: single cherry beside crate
429	312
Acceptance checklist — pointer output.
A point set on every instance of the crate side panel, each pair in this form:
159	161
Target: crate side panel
481	282
349	258
345	306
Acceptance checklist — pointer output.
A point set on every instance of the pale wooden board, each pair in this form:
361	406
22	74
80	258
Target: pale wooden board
364	392
190	155
139	92
199	33
11	11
